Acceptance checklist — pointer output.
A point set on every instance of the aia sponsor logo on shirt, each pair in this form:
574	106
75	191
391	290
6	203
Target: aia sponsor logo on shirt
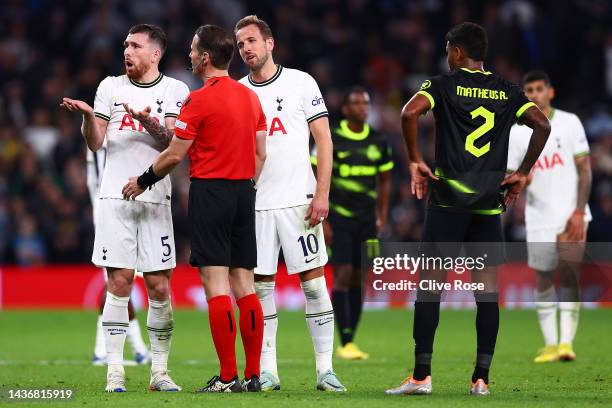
276	126
546	162
128	123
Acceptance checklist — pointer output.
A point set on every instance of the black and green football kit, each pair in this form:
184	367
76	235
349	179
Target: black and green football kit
358	158
474	111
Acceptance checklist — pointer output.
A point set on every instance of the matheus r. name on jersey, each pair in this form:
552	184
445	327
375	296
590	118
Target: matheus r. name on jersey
474	111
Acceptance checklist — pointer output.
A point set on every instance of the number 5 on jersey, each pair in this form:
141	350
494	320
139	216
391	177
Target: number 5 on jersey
166	254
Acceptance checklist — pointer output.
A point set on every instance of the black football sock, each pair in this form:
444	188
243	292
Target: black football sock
340	302
487	326
355	307
426	318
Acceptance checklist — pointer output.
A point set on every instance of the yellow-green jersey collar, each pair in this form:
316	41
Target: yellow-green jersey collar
345	131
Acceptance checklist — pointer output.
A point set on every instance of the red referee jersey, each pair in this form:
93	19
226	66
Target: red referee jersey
221	118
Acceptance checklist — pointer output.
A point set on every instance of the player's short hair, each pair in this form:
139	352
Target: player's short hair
155	33
536	75
472	38
218	43
264	28
353	89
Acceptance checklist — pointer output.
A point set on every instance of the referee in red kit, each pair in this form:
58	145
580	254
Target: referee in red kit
223	127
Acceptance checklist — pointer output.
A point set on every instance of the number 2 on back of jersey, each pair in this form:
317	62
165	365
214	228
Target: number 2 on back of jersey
480	131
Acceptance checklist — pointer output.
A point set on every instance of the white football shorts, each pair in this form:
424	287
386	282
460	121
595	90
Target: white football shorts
303	247
133	235
542	248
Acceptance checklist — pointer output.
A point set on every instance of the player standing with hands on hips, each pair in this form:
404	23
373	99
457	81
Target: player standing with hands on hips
134	235
474	110
291	203
223	127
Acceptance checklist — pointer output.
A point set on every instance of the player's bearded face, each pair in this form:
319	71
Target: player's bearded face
258	61
136	70
254	49
138	55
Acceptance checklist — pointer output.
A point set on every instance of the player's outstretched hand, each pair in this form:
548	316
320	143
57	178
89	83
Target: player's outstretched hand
515	183
317	210
75	105
419	177
140	116
132	190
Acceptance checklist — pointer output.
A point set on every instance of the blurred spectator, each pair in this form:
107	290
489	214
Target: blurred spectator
28	245
41	135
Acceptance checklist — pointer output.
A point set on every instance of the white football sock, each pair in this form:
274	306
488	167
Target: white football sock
115	323
320	320
569	315
100	347
159	326
134	337
265	293
546	306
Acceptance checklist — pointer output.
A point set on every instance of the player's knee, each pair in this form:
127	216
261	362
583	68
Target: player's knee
264	290
120	284
242	288
264	278
315	289
342	277
159	291
544	280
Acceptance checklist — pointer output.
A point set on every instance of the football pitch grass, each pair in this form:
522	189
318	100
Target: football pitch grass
52	349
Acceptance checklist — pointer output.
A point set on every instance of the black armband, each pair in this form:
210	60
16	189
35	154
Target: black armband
148	178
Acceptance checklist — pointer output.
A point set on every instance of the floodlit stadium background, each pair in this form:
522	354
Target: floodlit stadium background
52	49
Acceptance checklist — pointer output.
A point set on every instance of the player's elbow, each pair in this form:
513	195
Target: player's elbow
544	126
410	112
261	155
94	146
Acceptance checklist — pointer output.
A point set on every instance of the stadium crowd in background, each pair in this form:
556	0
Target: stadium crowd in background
50	49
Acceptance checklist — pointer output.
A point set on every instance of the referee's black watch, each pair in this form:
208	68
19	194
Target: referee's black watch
148	178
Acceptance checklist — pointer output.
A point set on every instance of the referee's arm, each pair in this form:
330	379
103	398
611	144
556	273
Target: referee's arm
163	164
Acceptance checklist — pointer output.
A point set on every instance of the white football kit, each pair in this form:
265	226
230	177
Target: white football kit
134	234
291	99
553	191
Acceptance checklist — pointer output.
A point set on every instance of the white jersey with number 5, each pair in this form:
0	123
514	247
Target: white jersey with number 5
553	192
291	99
130	149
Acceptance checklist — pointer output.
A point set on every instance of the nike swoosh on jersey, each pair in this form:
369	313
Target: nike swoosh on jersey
310	260
166	260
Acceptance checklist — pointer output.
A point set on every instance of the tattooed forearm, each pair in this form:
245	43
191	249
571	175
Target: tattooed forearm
160	133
